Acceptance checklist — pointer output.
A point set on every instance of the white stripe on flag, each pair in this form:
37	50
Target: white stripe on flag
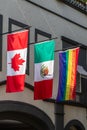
50	65
10	55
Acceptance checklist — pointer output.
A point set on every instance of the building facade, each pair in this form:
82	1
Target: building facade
66	21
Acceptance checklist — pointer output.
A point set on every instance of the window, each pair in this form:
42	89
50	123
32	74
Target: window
84	85
82	61
81	82
1	25
78	83
73	128
18	24
74	125
66	43
41	34
86	57
82	97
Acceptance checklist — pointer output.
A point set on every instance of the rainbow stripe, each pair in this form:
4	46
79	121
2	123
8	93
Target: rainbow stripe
68	61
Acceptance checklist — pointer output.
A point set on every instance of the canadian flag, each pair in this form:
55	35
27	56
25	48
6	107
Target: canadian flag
16	60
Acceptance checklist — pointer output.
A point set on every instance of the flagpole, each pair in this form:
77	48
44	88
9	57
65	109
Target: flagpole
72	47
27	27
43	40
59	116
23	28
64	49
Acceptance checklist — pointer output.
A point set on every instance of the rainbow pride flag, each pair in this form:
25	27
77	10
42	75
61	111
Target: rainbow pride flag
68	61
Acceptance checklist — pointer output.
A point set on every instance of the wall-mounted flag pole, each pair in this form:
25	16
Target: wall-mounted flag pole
17	30
44	67
68	61
16	60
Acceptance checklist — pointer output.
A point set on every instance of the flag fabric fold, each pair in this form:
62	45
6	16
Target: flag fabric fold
68	61
16	60
43	69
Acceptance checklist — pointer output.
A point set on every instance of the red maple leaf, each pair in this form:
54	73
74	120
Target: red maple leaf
16	62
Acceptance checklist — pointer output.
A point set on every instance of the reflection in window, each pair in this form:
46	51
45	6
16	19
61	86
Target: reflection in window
73	128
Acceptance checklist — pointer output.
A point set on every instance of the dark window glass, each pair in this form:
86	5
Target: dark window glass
83	96
66	43
78	83
82	57
39	34
84	85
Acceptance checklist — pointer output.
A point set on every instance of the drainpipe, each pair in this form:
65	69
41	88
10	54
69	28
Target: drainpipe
59	116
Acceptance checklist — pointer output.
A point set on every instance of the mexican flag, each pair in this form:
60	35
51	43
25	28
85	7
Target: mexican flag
16	60
44	67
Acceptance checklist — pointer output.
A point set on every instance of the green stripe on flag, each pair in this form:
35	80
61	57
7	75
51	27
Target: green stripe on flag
44	51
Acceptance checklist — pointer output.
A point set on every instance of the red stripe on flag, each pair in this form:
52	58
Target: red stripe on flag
15	83
43	89
76	53
17	40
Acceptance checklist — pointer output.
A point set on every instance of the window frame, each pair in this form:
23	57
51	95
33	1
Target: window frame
1	29
80	86
21	25
73	43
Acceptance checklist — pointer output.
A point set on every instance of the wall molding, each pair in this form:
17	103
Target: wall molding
50	11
